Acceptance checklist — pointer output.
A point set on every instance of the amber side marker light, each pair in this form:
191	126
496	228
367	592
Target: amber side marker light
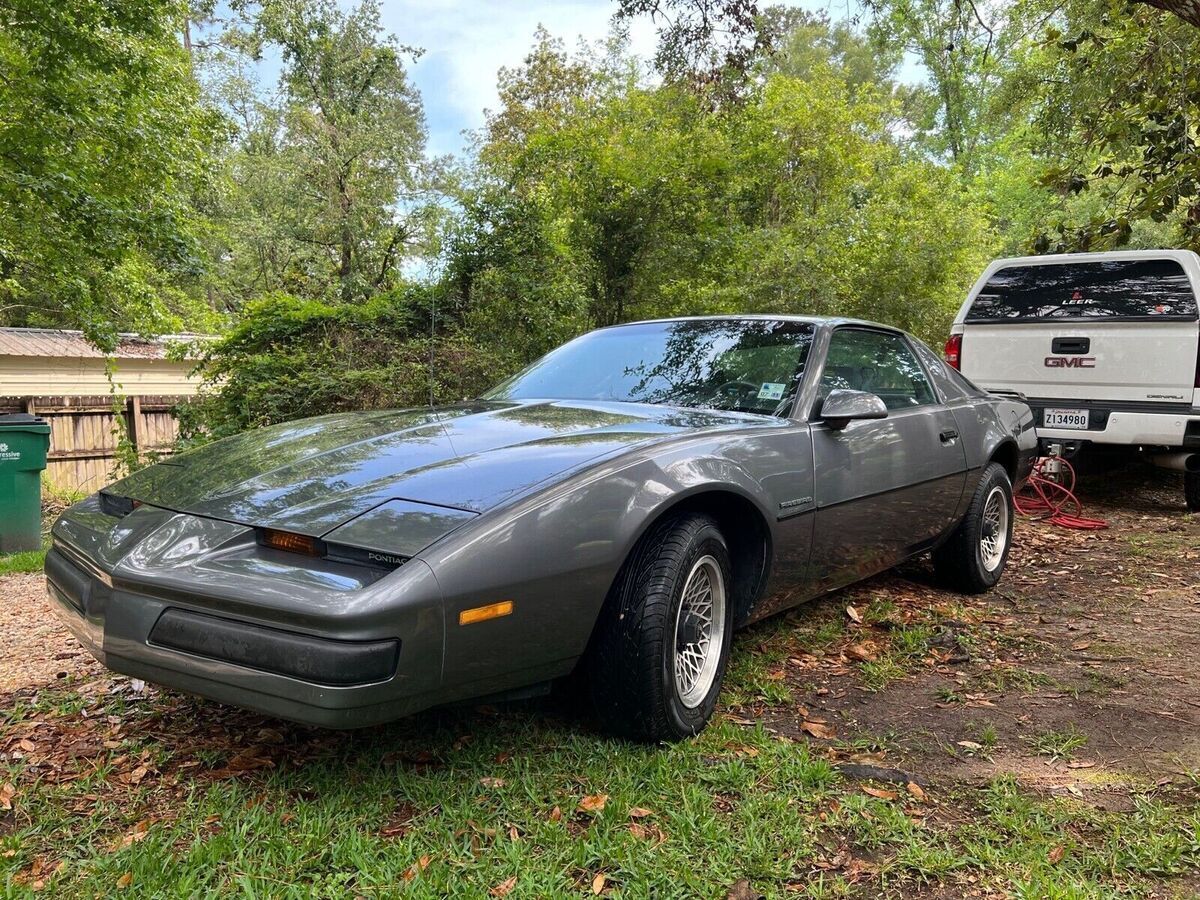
483	613
293	543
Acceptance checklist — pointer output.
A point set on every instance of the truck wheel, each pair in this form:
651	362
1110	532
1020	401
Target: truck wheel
973	558
658	657
1191	490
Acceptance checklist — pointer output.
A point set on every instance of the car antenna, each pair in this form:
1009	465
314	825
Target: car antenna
432	334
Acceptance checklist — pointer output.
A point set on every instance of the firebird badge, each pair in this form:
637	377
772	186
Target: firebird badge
792	504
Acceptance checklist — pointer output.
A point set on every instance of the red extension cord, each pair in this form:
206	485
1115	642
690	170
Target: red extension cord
1044	498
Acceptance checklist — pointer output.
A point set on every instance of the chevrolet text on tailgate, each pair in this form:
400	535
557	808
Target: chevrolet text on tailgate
1103	346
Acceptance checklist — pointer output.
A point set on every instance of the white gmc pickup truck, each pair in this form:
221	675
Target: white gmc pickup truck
1104	347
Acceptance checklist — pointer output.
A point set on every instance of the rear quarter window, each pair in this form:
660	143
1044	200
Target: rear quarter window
950	382
1116	289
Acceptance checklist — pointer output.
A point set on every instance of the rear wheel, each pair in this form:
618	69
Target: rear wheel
657	661
1191	490
973	559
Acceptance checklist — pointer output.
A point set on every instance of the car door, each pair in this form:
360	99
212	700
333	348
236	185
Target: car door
885	488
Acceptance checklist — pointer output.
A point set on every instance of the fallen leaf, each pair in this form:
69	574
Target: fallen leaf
490	782
7	792
556	814
138	832
864	652
504	887
881	793
916	791
741	890
1080	764
418	867
639	812
970	746
854	614
27	745
593	803
1082	645
125	880
817	729
1056	854
598	883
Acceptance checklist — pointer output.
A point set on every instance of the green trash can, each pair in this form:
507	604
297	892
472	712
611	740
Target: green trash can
24	440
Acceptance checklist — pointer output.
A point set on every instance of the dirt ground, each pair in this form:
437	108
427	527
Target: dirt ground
1093	637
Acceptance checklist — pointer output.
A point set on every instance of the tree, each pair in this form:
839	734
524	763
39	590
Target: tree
618	199
965	47
104	149
328	180
702	42
1115	95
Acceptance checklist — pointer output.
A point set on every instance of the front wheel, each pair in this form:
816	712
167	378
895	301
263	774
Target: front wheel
973	558
658	658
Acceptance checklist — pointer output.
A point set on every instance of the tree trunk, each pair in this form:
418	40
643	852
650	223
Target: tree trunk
1188	10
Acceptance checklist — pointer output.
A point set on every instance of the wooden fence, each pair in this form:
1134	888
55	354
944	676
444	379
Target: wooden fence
83	435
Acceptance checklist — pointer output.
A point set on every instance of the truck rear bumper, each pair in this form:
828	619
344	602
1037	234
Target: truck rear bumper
1119	424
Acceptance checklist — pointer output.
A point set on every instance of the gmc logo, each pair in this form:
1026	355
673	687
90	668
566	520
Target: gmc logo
1070	362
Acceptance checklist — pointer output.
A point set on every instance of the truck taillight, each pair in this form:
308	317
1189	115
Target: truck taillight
954	352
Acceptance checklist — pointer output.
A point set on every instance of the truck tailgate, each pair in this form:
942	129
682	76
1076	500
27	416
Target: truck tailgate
1082	359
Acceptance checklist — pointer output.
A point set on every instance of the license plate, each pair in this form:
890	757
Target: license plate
1065	418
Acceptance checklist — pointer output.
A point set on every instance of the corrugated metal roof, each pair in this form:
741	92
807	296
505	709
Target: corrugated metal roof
61	343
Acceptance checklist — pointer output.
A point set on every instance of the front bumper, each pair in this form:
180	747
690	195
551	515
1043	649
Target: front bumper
184	642
1123	425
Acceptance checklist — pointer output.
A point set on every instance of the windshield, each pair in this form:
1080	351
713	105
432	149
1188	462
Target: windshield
747	365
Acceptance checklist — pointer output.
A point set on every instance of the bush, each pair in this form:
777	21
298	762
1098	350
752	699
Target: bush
290	358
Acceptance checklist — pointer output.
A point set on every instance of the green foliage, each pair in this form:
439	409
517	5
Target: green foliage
598	199
289	357
103	148
778	162
327	179
1115	112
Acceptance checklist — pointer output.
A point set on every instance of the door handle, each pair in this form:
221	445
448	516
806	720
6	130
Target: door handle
948	436
1070	345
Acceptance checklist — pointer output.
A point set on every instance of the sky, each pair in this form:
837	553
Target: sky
466	42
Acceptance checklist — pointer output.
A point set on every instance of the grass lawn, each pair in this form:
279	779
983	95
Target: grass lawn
463	803
28	561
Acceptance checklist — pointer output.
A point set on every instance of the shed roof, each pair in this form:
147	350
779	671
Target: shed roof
63	343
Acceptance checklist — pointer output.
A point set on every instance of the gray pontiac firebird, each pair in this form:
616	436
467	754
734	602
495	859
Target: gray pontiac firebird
619	507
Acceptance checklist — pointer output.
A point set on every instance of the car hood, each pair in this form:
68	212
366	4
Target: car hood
313	475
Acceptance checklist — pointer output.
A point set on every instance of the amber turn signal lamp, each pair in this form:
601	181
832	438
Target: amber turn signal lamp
293	543
483	613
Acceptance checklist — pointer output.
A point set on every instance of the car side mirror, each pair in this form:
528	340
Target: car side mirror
842	407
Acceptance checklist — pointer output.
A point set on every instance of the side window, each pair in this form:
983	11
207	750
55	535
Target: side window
876	362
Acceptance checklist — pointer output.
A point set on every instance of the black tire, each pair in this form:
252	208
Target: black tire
1191	490
630	665
960	561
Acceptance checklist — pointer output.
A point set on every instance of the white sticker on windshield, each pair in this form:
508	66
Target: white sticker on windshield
771	391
